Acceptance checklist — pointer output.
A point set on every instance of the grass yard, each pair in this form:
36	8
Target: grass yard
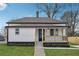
62	52
16	50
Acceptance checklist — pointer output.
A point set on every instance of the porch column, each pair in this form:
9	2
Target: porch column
62	33
54	34
42	35
65	35
35	36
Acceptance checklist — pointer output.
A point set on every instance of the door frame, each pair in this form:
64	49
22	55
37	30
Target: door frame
39	34
42	34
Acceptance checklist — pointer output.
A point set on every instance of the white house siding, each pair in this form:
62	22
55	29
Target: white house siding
60	32
25	35
64	32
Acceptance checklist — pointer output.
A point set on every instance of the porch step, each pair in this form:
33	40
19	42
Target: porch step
56	44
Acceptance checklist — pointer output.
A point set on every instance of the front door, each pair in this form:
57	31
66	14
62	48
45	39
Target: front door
40	34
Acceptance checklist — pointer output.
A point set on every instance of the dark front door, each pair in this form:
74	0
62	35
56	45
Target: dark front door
40	34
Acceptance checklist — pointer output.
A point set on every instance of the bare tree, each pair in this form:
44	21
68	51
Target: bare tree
50	9
72	20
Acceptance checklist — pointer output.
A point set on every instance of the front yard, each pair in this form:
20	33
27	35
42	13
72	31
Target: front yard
29	51
16	50
65	52
62	52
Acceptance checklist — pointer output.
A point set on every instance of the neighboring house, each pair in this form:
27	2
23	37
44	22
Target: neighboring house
1	38
29	30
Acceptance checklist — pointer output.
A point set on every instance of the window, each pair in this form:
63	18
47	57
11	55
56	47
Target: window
17	31
51	32
56	32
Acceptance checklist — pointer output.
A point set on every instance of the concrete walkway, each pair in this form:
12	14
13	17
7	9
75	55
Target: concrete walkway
77	46
39	50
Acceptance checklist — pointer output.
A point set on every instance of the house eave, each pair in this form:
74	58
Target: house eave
32	26
36	22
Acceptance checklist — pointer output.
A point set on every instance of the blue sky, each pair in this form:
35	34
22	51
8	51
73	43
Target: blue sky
19	10
15	11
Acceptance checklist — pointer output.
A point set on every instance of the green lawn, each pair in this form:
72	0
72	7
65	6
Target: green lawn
61	52
16	50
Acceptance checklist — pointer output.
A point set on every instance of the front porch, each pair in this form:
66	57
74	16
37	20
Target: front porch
52	36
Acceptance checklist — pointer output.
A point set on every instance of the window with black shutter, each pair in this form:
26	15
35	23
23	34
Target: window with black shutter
17	31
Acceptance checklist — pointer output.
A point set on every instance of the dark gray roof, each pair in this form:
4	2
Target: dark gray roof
36	20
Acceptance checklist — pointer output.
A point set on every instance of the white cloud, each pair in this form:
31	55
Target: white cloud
2	6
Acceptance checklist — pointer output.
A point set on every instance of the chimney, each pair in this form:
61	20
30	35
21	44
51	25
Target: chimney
37	14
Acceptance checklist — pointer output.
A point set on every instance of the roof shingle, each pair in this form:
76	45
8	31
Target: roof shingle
35	20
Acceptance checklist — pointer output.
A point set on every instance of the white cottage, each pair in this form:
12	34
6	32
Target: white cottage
29	30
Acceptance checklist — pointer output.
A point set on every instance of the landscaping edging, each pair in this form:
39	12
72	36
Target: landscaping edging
58	48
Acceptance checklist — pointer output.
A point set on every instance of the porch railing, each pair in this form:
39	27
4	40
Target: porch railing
56	39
